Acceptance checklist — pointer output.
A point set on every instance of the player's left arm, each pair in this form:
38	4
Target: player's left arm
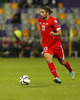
58	33
56	26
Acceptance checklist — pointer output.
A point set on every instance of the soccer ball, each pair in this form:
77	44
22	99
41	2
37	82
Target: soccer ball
24	80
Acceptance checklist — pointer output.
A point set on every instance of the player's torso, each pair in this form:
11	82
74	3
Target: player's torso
46	27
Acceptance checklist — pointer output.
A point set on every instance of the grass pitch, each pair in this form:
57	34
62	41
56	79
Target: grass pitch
42	86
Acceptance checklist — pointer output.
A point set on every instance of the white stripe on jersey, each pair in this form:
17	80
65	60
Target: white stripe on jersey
62	51
58	28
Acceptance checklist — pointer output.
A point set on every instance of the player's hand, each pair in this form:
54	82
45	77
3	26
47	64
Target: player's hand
52	33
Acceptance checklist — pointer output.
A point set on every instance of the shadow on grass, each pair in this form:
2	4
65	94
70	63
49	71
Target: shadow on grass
39	85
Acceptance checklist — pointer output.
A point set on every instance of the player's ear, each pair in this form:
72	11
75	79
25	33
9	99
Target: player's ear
47	13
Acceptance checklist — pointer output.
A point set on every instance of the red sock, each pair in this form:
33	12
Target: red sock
53	69
68	66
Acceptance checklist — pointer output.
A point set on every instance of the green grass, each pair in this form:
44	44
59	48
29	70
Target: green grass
42	86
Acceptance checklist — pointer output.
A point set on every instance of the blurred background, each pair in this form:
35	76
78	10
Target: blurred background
21	16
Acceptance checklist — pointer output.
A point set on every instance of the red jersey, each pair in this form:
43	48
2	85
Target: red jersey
46	27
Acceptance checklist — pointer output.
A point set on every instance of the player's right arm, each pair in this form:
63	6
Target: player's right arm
40	33
40	38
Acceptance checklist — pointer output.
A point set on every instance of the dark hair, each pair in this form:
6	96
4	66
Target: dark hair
47	9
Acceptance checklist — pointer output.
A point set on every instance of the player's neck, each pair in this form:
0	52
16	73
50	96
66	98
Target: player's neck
46	18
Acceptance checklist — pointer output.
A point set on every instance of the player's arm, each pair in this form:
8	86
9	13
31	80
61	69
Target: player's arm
56	26
58	33
40	33
40	38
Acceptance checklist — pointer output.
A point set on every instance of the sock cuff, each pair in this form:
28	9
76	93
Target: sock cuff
50	63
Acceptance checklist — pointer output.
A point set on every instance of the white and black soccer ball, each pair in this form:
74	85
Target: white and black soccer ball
24	80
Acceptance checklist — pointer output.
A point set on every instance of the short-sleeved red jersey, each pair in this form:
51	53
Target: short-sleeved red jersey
46	27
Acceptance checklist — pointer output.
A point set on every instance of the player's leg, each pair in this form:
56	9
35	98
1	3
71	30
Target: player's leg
68	66
63	61
52	67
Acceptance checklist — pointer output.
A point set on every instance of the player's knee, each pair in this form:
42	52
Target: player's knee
49	60
63	62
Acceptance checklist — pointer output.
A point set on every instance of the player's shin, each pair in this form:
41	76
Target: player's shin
53	69
68	66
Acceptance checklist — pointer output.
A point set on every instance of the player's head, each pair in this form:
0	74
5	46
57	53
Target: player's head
45	11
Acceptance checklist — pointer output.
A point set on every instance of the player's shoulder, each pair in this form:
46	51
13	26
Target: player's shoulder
39	19
52	18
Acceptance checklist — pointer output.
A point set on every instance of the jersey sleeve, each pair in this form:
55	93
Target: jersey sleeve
38	19
55	24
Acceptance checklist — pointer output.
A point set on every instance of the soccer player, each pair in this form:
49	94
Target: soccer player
50	32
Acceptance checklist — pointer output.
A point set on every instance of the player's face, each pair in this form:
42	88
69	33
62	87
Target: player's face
43	14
